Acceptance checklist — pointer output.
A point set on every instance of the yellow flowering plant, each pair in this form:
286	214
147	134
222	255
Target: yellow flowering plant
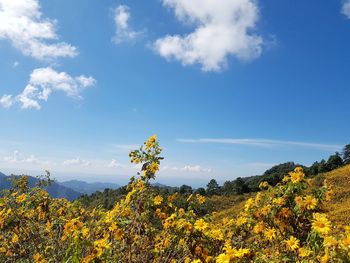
285	223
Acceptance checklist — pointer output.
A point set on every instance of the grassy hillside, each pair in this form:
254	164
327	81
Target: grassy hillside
339	206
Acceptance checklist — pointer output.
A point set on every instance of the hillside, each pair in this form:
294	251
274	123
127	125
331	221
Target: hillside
339	206
88	188
55	190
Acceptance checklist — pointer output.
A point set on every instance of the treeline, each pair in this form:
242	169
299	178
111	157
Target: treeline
239	186
274	175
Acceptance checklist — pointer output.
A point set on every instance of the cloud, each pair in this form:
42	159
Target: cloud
44	81
76	162
114	164
266	143
15	158
346	8
15	64
6	101
22	23
124	32
223	28
188	168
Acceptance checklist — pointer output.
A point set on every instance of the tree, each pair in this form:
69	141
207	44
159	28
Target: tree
346	154
313	170
334	161
201	191
228	188
185	189
275	174
240	187
213	187
322	167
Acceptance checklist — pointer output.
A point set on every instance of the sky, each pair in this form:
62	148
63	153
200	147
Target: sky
230	87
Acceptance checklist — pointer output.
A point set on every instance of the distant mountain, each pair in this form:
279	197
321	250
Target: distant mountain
55	190
88	188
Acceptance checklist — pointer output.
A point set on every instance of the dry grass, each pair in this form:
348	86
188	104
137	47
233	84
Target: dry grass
339	206
228	206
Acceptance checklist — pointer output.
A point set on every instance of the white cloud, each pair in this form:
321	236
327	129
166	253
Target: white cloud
346	8
223	28
6	101
114	164
265	143
44	81
76	162
22	23
188	168
124	32
15	158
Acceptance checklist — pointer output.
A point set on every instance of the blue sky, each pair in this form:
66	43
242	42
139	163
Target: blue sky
230	87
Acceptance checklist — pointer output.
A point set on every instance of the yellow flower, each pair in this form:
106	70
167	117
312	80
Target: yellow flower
158	200
14	238
304	252
48	226
241	220
150	142
329	195
153	167
270	233
263	185
181	212
292	243
240	253
309	202
259	228
278	201
249	204
39	258
286	179
320	224
265	210
118	234
346	242
200	198
223	258
217	234
297	175
100	245
329	241
285	212
21	198
85	231
325	258
298	200
200	225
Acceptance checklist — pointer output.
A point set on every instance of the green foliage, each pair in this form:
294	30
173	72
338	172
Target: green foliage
185	190
334	162
213	188
346	154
